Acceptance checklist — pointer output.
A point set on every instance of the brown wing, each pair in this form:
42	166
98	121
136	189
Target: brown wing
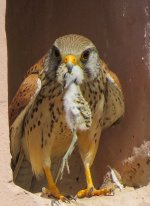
22	97
114	106
22	171
25	91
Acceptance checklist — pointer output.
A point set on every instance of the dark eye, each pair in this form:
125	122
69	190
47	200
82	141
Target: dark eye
85	55
56	52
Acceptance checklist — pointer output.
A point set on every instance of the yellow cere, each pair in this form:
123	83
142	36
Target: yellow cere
70	58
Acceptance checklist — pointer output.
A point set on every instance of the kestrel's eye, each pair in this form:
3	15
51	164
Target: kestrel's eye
56	52
85	55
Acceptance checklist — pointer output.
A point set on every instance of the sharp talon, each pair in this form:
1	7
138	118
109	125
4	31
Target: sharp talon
50	196
71	197
66	200
76	196
55	202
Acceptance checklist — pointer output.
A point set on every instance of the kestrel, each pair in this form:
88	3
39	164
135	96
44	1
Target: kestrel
38	127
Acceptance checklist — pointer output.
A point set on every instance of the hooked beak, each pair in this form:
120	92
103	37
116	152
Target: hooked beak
70	61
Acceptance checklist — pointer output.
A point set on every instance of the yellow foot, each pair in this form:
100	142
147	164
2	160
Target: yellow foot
89	192
56	195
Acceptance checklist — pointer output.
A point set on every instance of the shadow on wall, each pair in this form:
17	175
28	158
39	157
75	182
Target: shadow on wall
120	30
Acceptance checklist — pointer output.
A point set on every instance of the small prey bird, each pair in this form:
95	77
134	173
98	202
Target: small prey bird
77	110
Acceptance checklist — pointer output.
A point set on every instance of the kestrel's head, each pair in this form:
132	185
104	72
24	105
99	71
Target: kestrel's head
72	52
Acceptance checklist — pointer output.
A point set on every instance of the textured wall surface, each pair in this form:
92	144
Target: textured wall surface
121	31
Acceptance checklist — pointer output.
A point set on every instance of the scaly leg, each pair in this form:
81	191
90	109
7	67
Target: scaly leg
90	190
66	156
52	188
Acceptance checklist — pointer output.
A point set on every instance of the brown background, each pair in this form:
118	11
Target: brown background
121	31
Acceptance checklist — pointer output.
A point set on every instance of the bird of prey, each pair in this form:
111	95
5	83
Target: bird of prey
38	128
77	110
